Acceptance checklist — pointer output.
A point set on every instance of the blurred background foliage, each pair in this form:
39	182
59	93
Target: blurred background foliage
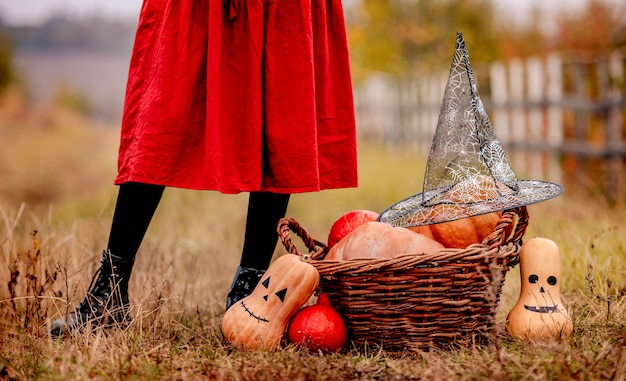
7	71
401	36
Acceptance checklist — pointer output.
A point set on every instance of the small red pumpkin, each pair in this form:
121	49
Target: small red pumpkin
347	222
318	327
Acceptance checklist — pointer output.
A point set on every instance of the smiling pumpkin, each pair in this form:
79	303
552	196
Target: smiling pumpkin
258	321
539	312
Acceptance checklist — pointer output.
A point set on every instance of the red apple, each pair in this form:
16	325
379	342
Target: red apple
318	327
347	222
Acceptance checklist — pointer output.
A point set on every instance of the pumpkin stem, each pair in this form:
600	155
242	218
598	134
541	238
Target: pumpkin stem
323	300
305	257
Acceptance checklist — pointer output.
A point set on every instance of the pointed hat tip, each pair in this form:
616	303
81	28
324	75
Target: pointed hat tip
461	53
460	41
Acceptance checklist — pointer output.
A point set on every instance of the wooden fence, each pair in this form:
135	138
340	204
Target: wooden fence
560	118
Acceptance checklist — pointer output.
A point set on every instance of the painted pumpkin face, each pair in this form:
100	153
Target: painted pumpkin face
258	321
280	295
539	311
546	287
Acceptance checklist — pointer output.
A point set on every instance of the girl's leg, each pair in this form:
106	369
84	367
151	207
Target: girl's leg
265	209
134	209
107	299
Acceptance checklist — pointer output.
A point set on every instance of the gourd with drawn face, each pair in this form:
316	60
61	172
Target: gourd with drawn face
539	312
259	320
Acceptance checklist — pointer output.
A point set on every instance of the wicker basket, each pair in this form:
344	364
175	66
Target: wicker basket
418	301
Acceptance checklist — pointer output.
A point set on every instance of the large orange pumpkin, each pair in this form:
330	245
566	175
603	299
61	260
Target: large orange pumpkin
381	240
459	234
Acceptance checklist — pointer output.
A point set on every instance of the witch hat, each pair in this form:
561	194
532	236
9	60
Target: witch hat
467	173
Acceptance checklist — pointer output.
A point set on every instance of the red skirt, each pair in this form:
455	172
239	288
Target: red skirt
253	97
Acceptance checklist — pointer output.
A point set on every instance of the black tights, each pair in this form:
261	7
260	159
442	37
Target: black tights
137	202
264	211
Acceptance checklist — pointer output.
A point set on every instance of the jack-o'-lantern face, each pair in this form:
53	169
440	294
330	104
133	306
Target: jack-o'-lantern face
280	294
545	291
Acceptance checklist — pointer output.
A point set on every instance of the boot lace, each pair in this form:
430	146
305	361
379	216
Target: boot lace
104	295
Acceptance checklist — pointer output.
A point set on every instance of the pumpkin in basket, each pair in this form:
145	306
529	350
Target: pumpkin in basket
347	222
459	234
258	321
381	240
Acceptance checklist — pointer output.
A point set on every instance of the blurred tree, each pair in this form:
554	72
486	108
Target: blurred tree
68	98
599	27
7	72
522	40
398	36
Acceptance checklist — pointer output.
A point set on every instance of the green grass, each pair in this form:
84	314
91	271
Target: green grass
56	176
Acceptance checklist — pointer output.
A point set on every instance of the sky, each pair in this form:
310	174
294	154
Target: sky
33	11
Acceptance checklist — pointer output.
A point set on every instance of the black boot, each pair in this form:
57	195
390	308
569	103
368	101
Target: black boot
245	281
106	303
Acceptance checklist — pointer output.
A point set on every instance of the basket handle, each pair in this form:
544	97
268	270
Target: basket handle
510	228
317	249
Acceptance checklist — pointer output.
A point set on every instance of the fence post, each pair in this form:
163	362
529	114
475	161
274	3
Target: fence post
432	95
377	102
554	94
535	82
413	112
581	116
425	120
613	137
517	115
497	74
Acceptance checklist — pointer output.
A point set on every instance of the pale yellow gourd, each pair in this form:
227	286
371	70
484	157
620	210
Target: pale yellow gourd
539	312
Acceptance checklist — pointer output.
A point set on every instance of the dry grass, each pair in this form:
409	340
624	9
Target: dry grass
55	180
